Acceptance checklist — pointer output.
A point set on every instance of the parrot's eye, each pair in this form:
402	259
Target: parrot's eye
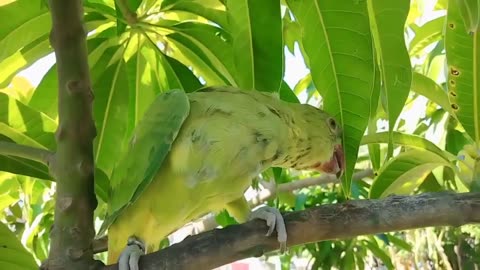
332	124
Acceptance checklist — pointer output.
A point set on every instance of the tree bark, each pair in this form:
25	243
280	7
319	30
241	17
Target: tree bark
73	231
336	221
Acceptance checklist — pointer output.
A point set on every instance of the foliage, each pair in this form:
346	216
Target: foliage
401	78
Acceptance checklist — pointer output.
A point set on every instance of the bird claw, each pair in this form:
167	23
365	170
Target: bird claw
274	220
130	255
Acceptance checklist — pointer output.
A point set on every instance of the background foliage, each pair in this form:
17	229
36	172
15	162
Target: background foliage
401	77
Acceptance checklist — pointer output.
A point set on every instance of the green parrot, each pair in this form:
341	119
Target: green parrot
198	152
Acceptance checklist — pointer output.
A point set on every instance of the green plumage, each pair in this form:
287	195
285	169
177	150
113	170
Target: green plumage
225	138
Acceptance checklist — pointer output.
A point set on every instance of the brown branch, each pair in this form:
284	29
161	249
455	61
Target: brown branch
335	221
73	231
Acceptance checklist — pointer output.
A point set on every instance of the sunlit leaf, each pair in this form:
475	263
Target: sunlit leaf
463	58
14	255
254	24
337	43
405	172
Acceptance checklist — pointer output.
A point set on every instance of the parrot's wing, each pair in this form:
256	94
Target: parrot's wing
150	144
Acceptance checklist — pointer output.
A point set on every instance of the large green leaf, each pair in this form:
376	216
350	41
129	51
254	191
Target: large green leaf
14	256
463	59
339	49
470	11
23	58
110	109
214	42
256	29
24	21
428	88
405	172
408	140
211	10
387	20
25	125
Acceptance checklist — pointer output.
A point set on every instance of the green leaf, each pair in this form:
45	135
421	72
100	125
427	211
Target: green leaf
470	11
399	242
337	43
428	88
214	43
387	20
45	96
27	21
253	25
379	253
463	58
210	10
154	134
426	34
23	58
13	255
193	53
408	140
8	190
405	172
25	125
112	97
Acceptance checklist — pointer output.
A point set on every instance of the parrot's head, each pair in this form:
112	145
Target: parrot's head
323	142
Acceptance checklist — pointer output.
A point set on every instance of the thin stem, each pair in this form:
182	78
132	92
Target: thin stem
28	152
129	15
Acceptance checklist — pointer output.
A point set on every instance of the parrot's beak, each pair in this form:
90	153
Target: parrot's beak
336	164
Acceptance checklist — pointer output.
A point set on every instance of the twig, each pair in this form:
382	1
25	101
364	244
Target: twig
17	150
129	15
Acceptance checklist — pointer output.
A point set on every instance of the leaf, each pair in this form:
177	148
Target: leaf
426	34
211	11
408	140
463	58
25	125
23	58
387	21
253	24
428	88
470	13
13	255
379	253
153	135
27	21
110	114
405	172
8	190
338	47
212	42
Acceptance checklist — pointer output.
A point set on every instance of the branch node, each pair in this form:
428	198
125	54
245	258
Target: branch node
64	203
75	254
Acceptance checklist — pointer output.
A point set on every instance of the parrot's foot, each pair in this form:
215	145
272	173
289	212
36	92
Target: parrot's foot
274	220
130	256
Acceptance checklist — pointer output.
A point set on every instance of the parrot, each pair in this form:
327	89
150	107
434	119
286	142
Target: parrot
196	153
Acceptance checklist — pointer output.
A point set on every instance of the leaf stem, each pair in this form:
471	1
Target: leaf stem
32	153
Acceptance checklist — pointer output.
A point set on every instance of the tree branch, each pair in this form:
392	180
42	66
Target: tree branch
73	231
335	221
28	152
